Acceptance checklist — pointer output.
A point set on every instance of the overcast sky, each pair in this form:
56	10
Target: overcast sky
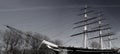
55	18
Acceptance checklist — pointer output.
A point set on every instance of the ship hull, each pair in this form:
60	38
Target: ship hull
72	50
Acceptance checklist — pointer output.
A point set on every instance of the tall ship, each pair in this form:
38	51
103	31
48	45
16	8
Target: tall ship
90	25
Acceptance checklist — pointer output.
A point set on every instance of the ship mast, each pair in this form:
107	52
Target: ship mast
100	33
110	40
85	28
109	43
85	24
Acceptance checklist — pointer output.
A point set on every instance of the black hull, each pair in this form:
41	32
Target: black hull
91	52
73	50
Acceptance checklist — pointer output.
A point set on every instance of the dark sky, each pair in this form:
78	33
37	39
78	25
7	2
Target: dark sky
54	18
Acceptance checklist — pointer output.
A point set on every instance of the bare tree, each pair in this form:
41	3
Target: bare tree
11	40
18	42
